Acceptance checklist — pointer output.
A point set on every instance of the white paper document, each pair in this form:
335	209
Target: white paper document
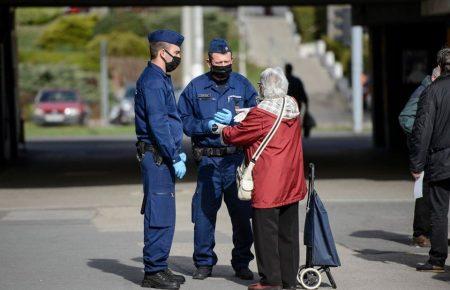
418	187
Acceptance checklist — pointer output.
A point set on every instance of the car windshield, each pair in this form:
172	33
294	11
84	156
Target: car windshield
58	96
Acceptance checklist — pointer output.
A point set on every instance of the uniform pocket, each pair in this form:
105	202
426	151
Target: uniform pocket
157	178
162	209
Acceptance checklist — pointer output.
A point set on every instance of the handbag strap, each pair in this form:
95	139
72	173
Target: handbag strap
271	133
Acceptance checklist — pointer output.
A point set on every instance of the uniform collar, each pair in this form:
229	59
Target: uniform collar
211	83
158	69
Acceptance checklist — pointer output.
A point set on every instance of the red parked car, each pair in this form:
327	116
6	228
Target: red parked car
60	107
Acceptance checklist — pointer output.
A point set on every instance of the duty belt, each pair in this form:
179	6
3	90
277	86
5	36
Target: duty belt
214	152
143	147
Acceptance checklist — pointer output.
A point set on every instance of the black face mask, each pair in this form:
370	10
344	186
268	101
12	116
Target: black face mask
172	65
221	72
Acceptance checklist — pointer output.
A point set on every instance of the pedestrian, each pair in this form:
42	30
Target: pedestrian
430	153
278	177
297	90
219	92
422	223
159	132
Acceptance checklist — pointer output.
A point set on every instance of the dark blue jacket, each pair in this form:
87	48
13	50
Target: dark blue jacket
430	139
202	98
157	120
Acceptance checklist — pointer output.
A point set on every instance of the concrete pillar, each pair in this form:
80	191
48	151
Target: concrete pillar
242	42
186	27
104	82
357	66
197	66
9	114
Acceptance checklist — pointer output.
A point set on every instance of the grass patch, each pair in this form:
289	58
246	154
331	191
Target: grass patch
27	36
32	130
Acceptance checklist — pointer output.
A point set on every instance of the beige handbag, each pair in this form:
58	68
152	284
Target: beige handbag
244	173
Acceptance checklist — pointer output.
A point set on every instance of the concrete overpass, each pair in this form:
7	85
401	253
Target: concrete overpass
398	30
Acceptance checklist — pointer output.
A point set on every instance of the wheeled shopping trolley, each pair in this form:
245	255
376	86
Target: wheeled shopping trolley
321	254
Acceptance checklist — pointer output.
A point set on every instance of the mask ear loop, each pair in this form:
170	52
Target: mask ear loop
169	53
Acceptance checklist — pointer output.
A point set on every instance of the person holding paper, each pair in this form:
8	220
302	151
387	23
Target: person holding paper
430	152
422	223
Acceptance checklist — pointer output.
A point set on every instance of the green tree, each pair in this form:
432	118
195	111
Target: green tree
123	21
215	25
163	18
37	16
310	22
119	44
68	32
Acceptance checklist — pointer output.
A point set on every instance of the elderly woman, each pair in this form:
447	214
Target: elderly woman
279	182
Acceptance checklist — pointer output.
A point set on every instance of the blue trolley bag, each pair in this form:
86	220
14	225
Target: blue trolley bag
317	233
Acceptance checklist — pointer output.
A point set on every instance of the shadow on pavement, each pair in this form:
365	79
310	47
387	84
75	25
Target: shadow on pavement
69	162
404	258
113	266
185	266
383	235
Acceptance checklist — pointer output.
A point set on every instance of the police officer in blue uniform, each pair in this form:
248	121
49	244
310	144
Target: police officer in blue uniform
216	95
159	132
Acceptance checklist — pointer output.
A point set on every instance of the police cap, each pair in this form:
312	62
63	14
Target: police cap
219	45
166	35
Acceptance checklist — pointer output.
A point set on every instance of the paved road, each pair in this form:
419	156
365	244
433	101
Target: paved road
69	219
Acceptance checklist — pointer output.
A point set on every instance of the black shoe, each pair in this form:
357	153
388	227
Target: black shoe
177	278
244	273
202	273
427	267
159	280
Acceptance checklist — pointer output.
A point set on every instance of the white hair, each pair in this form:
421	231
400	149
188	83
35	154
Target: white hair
274	83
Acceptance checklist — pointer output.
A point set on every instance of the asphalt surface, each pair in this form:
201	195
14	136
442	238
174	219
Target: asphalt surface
69	218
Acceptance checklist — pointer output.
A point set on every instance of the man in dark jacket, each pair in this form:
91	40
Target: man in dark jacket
297	91
422	223
430	152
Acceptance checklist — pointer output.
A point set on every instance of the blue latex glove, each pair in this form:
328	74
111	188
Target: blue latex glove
224	117
183	157
180	169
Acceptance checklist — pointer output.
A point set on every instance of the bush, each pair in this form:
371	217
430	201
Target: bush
32	78
68	32
37	16
123	21
215	25
119	44
167	18
310	22
341	52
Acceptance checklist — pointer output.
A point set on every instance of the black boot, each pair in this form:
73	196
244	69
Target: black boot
159	280
427	267
202	273
244	273
177	278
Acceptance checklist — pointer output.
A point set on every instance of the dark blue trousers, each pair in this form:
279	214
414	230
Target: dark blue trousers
217	180
159	216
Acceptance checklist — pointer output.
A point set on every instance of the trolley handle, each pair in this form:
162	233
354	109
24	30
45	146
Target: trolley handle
311	183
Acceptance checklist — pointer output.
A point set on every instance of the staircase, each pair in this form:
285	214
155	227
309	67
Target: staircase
271	42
